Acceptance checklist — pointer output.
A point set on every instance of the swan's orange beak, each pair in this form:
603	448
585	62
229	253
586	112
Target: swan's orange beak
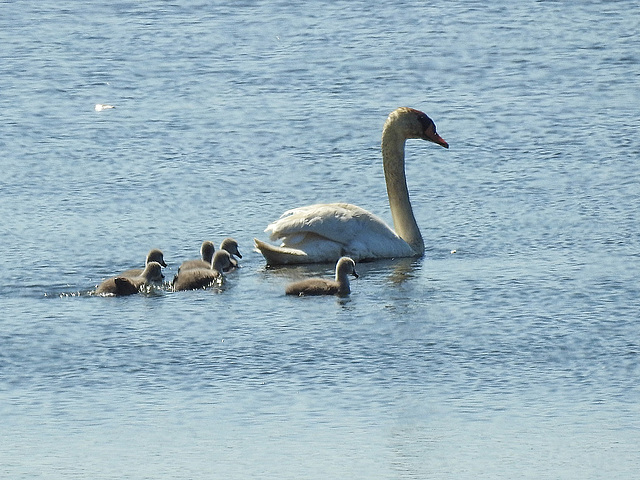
435	138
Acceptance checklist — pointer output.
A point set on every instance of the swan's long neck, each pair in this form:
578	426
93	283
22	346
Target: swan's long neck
404	221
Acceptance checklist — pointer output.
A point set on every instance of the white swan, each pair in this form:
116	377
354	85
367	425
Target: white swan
322	286
326	232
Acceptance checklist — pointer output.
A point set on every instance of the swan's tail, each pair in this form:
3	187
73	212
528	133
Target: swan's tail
280	255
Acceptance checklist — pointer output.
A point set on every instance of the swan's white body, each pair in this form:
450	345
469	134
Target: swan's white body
325	232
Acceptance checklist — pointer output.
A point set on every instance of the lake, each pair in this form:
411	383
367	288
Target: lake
510	350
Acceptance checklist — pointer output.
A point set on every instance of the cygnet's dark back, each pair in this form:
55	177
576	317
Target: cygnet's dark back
207	250
129	285
193	279
154	255
321	286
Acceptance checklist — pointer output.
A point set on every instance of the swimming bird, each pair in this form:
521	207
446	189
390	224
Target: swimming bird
203	277
207	249
120	285
231	246
325	232
154	255
322	286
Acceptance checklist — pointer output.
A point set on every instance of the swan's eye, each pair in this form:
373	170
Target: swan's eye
426	122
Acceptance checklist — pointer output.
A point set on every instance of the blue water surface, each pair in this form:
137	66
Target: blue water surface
511	350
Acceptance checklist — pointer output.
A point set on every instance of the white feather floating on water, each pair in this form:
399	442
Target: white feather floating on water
102	106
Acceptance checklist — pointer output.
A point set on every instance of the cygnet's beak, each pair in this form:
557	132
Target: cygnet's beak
435	138
163	263
355	274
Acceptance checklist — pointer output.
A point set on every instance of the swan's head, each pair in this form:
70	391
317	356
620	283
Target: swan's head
416	124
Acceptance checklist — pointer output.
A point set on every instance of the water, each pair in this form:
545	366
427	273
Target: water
516	356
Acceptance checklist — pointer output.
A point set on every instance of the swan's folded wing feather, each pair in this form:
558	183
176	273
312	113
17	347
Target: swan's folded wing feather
338	222
310	249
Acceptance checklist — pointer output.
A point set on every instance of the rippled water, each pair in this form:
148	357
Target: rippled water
517	356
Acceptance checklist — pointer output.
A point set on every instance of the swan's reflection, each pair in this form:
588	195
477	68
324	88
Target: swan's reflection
394	271
397	270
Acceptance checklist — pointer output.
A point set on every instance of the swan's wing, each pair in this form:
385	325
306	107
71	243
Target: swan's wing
338	222
328	231
311	249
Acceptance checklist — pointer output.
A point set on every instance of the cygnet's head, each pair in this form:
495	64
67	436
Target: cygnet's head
156	255
221	261
231	246
206	250
346	266
153	272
